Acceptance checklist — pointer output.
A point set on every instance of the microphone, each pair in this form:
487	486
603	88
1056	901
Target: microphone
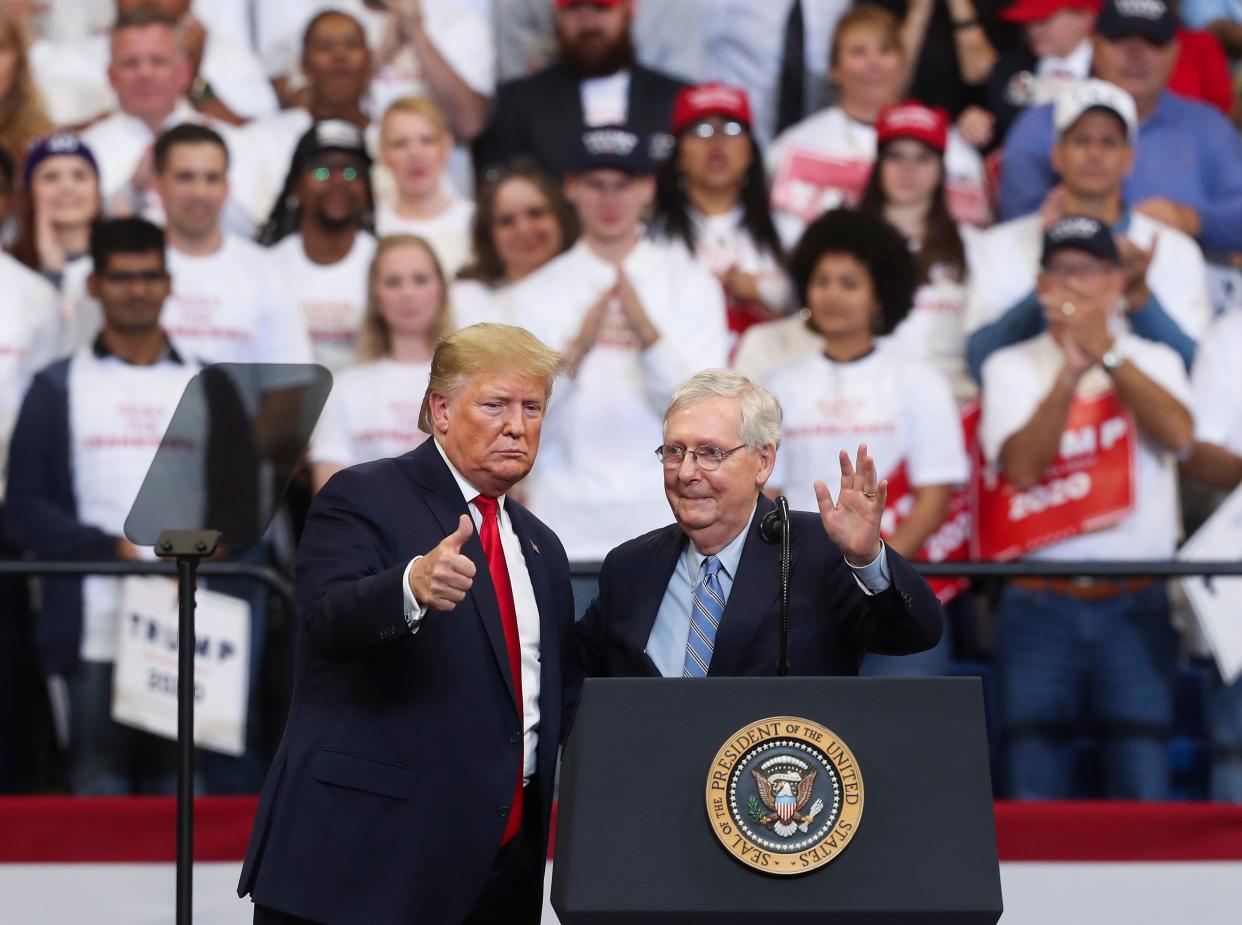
777	527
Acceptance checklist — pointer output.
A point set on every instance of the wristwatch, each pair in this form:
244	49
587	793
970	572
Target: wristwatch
1113	358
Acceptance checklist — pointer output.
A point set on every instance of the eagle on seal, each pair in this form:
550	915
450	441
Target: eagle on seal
785	793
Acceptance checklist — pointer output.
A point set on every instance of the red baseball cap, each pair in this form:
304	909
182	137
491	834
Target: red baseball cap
713	99
1024	11
566	4
913	120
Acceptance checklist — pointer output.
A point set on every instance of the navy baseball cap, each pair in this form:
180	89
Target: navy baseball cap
1146	19
1080	233
612	147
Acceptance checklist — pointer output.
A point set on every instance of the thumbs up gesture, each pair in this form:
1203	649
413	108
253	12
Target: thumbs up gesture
440	579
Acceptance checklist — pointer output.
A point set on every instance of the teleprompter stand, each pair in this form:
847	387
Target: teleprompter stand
635	844
223	465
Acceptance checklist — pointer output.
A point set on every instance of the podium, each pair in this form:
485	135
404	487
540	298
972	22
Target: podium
636	841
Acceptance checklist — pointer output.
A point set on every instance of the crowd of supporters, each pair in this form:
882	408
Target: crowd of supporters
999	243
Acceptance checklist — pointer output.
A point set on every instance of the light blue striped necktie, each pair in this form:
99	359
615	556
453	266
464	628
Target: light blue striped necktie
707	606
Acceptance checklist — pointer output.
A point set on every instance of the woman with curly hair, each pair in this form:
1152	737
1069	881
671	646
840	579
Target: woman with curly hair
857	278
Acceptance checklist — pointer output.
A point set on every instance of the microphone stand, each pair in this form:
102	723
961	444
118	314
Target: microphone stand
776	527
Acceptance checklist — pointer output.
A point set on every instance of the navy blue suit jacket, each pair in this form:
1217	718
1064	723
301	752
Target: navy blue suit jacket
833	622
389	793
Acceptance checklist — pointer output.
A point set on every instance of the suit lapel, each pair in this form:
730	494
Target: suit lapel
444	498
648	594
549	628
756	590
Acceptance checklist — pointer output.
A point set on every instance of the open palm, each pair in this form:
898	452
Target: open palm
852	521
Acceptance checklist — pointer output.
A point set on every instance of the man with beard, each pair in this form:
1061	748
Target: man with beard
320	232
595	82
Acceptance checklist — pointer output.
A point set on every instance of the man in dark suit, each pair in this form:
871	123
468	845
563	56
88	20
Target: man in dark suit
701	597
594	82
414	780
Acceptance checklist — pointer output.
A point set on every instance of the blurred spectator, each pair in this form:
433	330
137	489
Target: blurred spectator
60	205
595	82
948	50
87	432
1056	53
635	319
373	410
856	275
415	144
825	160
906	188
711	199
1217	461
227	305
227	80
1188	164
22	118
1201	71
1077	653
1165	277
337	64
522	221
321	232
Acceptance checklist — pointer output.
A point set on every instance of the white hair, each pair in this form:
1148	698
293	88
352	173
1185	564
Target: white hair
761	412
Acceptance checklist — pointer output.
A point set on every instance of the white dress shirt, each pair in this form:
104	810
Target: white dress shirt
524	605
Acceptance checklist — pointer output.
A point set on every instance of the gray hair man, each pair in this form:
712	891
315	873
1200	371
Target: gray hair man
698	598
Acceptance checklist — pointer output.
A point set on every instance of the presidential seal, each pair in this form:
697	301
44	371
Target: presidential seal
784	795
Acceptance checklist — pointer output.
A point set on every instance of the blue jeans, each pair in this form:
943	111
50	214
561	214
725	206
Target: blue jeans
1224	721
1103	667
105	758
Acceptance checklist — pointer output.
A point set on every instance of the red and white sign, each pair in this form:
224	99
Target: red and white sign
951	541
1088	487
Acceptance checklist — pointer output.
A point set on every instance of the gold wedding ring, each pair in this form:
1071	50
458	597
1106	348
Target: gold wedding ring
870	494
1068	309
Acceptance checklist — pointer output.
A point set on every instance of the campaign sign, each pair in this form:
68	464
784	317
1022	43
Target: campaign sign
1217	600
1089	485
949	542
807	183
144	691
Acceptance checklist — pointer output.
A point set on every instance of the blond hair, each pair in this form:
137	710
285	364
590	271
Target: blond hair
415	106
486	348
866	16
374	337
22	117
761	412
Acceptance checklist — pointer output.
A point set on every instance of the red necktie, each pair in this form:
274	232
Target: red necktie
489	536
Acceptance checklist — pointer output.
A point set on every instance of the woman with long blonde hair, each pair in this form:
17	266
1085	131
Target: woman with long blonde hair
22	116
373	410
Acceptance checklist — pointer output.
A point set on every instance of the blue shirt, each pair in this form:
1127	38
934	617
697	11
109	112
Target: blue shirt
666	646
1187	151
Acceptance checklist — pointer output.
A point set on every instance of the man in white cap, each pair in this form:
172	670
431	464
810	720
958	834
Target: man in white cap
1165	278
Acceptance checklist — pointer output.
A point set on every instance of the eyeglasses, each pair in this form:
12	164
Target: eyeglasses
145	277
323	174
729	128
707	458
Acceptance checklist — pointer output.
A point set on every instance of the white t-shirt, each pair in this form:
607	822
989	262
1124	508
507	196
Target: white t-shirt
30	338
117	416
774	345
1217	384
722	242
932	331
332	298
372	413
448	233
597	482
472	301
72	78
1018	378
824	161
1004	264
229	307
903	410
605	100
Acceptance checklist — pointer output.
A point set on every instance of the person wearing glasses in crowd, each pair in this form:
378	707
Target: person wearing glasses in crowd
699	597
321	235
372	412
711	198
522	220
855	274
